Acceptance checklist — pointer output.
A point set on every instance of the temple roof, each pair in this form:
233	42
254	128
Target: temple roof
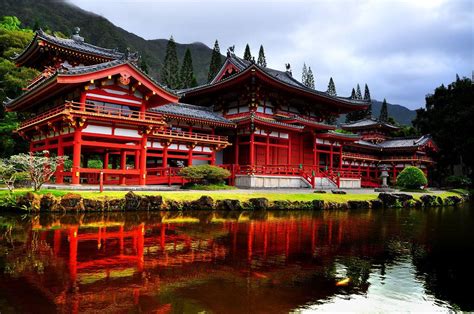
205	114
59	77
75	43
300	120
266	121
284	77
397	143
368	123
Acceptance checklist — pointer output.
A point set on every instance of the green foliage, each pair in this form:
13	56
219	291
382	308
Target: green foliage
247	54
95	164
40	166
368	112
310	79
67	165
208	187
170	73
358	94
13	39
411	178
331	88
384	112
458	181
216	62
304	74
204	174
343	131
448	118
187	78
262	61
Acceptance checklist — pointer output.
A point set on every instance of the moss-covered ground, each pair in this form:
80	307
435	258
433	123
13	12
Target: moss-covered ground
242	195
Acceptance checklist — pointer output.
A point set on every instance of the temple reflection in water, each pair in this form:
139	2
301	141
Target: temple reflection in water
164	262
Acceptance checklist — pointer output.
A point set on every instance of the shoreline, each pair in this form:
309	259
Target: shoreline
231	200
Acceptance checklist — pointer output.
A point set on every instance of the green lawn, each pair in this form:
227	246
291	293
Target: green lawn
237	194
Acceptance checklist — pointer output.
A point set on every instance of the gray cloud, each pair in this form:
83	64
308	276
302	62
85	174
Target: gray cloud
401	49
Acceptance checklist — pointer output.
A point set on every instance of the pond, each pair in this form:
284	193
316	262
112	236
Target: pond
229	262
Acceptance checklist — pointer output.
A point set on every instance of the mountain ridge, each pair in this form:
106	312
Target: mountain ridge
63	16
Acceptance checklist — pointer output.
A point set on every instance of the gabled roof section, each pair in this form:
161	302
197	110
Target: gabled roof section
400	143
369	123
42	41
282	78
198	113
83	74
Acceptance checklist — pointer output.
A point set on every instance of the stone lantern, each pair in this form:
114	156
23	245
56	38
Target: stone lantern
384	176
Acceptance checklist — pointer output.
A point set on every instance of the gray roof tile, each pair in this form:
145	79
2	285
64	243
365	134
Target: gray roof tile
192	111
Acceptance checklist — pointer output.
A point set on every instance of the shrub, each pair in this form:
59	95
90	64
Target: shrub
204	174
95	164
67	165
458	181
411	178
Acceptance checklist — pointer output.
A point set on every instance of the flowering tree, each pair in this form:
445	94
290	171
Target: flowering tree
40	166
7	173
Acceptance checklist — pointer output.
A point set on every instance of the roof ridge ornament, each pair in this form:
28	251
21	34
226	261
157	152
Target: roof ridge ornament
288	69
231	51
75	36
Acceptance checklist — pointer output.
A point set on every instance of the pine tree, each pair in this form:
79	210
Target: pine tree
171	66
384	112
247	54
216	62
187	72
262	61
353	94
331	88
310	79
358	92
368	112
304	74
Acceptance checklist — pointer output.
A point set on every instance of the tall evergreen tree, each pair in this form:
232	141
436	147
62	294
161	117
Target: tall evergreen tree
358	92
368	112
247	54
304	74
310	79
384	111
186	74
331	88
262	61
353	94
216	62
171	66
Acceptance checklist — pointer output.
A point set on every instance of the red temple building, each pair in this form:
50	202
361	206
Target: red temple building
263	125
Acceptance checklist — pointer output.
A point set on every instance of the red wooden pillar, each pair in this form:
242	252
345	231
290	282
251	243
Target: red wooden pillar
142	163
289	149
164	161
267	148
331	155
191	147
106	159
76	157
252	148
123	165
73	255
340	156
82	100
236	149
60	169
213	151
315	152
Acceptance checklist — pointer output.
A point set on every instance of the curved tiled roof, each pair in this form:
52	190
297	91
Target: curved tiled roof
368	122
282	76
397	143
192	111
75	44
79	70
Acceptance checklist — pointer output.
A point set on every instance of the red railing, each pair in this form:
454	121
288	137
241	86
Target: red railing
196	136
96	111
406	158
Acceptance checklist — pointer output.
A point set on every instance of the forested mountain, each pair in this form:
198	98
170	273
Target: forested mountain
63	17
57	15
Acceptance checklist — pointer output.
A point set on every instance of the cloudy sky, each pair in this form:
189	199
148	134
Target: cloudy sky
401	49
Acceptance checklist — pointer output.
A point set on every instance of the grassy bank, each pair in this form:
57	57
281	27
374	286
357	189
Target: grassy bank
240	195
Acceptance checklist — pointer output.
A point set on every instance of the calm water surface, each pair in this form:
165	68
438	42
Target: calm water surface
214	262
